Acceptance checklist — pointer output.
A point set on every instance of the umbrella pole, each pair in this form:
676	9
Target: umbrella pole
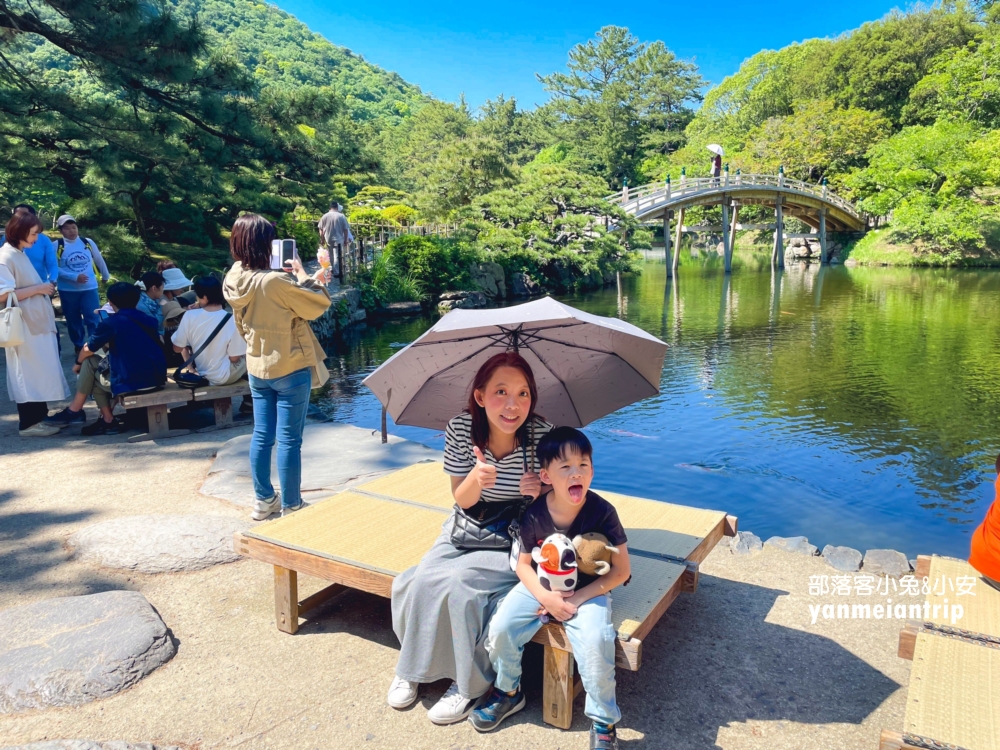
385	435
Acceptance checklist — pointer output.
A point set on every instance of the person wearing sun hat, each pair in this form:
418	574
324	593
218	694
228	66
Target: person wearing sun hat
175	284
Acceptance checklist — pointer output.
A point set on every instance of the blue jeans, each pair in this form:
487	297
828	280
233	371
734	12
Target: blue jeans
78	307
590	633
280	406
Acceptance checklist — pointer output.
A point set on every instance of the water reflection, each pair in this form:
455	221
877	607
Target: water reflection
856	406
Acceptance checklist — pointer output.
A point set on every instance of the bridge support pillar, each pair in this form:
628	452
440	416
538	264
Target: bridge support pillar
778	252
736	213
727	243
667	244
823	254
677	239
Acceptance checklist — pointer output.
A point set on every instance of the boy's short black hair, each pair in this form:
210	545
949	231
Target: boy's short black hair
123	295
554	445
151	279
210	287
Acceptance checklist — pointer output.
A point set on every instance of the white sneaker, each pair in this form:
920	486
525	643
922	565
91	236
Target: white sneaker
451	708
264	508
402	694
40	429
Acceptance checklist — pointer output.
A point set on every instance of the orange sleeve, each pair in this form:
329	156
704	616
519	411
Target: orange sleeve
984	554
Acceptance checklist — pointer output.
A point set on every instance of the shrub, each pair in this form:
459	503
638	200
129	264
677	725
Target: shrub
124	253
436	265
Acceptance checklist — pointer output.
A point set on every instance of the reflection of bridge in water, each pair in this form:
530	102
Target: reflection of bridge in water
815	205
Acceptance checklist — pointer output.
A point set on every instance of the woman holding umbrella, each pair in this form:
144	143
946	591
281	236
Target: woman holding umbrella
441	607
500	365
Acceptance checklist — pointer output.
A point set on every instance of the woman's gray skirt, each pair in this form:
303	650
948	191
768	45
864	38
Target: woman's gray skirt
440	610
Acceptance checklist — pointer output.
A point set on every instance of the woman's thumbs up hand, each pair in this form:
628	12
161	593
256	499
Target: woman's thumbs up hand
485	474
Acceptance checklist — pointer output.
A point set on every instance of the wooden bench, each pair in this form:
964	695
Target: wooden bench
363	537
158	402
953	700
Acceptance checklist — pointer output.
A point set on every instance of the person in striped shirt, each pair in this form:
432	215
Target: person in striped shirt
441	607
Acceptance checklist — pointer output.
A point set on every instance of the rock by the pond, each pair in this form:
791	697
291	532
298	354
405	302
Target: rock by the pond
75	649
360	457
402	308
744	543
522	285
159	544
845	559
90	745
489	277
887	562
799	544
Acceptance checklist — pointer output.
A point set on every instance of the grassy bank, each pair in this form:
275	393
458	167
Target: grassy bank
877	248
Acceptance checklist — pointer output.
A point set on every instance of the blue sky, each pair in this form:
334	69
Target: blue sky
484	49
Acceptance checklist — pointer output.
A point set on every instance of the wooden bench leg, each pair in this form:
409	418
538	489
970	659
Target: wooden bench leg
156	417
557	688
286	599
223	412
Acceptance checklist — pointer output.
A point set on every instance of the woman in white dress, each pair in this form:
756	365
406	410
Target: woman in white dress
34	372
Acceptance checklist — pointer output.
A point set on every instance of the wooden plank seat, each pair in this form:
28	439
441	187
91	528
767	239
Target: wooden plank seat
363	537
158	402
953	700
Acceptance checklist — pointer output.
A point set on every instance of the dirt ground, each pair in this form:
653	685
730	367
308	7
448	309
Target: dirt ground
736	665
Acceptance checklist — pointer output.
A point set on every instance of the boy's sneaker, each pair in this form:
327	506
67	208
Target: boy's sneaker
264	508
66	417
100	427
603	737
402	694
495	709
452	707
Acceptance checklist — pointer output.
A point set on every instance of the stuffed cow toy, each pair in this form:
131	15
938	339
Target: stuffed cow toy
556	560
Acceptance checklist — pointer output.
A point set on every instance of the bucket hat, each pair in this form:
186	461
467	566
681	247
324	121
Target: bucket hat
174	279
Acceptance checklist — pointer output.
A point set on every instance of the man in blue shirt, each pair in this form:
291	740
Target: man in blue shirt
135	356
43	253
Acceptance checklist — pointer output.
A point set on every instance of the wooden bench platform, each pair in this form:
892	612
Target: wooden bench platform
158	402
343	539
953	700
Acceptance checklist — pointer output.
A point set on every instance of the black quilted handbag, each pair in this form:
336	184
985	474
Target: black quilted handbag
489	525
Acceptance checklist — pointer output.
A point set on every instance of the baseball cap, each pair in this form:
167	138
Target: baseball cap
63	219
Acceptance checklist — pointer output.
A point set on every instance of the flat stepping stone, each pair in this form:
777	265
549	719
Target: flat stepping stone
159	544
90	745
334	457
75	649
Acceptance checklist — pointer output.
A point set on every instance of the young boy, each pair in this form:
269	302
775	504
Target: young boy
569	508
149	299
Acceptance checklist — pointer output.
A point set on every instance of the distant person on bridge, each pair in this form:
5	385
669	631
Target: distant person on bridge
985	553
717	167
334	231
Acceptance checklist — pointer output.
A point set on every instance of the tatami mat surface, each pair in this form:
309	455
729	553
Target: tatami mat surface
376	534
954	694
651	579
981	607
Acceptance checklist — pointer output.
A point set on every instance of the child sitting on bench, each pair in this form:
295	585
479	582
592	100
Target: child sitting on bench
565	456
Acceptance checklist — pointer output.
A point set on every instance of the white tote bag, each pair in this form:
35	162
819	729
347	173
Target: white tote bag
11	324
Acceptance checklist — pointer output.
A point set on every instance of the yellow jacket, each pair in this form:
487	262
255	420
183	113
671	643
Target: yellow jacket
271	310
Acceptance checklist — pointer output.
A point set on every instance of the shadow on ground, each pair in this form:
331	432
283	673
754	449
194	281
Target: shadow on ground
712	661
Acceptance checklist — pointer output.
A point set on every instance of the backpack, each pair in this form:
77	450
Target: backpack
89	244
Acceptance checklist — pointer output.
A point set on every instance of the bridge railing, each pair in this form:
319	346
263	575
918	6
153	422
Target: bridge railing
656	193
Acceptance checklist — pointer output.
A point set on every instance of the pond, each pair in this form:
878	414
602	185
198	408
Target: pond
855	406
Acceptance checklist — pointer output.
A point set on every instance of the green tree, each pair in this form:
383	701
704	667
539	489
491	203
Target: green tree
621	99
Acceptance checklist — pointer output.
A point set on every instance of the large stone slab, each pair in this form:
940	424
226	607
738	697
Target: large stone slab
744	543
159	544
887	562
87	745
334	457
844	559
75	649
797	544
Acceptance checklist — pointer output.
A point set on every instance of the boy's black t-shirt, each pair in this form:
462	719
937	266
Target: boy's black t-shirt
596	515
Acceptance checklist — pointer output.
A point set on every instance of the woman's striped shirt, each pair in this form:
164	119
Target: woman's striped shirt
459	459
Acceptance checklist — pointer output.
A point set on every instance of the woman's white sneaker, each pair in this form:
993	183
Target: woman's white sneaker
452	707
402	694
264	508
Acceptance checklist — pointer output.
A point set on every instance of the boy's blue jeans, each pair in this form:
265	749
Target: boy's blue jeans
590	633
280	406
81	320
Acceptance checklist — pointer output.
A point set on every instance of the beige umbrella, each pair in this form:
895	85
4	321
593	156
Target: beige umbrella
585	366
716	149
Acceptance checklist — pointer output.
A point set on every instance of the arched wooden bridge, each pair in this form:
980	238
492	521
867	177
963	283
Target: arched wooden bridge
815	205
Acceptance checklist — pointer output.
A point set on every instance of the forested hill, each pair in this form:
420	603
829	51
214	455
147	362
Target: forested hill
280	49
